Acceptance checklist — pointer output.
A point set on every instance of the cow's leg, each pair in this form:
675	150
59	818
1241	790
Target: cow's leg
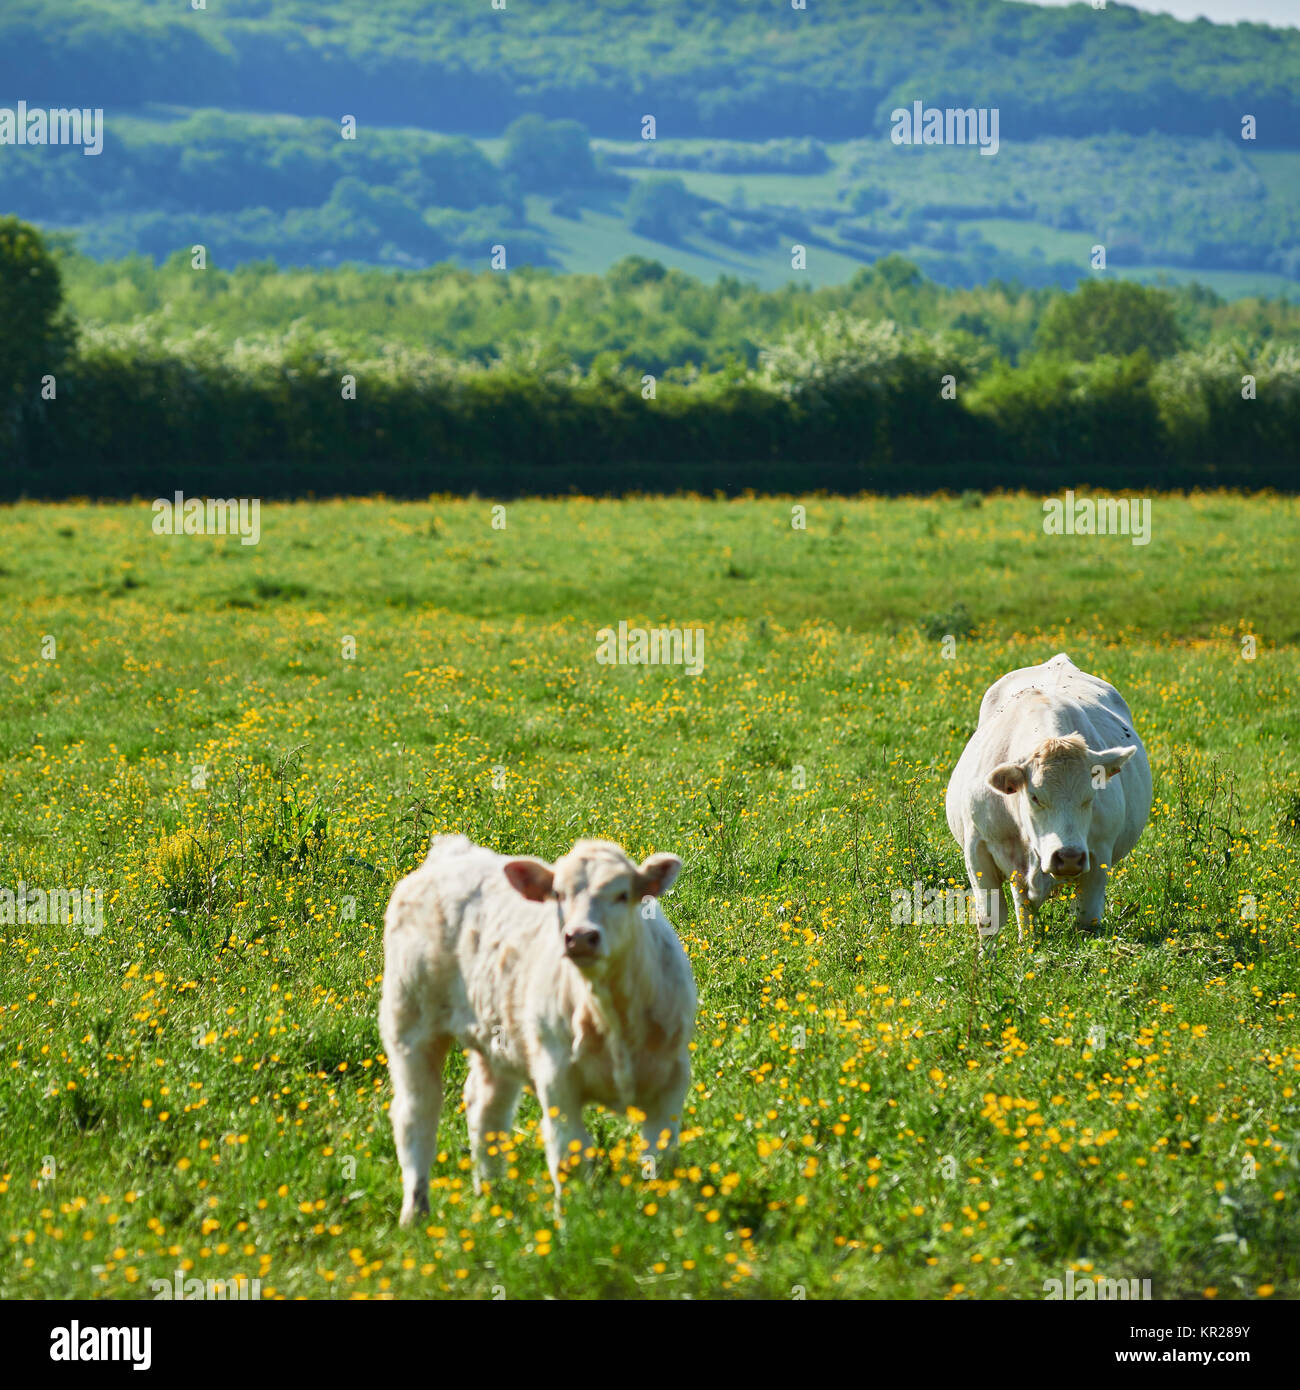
566	1138
986	879
415	1065
490	1101
663	1118
1091	891
1025	912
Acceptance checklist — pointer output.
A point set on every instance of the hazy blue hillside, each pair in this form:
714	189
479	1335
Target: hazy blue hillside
748	69
772	128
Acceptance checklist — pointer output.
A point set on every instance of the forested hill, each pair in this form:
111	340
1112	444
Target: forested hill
743	69
523	127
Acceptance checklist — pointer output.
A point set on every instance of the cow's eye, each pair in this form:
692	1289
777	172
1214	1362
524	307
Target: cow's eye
1034	799
622	898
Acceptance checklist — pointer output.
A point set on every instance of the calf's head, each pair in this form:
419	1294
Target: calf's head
1052	792
598	892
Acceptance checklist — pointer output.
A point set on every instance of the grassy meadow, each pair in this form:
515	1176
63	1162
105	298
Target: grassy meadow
874	1113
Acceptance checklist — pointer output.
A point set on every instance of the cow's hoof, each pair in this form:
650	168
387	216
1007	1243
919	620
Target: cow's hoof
412	1211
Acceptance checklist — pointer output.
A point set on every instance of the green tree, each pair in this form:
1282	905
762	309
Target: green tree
548	155
662	208
632	271
1110	317
36	334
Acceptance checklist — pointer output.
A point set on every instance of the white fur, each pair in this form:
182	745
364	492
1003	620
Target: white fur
1055	769
581	992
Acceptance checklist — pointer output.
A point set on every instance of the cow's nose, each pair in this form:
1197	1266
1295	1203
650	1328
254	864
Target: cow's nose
1070	861
583	941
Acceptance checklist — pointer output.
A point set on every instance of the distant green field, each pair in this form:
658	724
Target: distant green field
1231	284
1025	237
1157	196
595	240
1038	171
1280	170
200	1086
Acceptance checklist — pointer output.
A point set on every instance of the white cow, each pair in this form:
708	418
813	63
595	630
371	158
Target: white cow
1037	797
568	977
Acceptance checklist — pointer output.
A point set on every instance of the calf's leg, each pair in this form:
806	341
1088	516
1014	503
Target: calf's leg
566	1138
663	1118
490	1101
415	1064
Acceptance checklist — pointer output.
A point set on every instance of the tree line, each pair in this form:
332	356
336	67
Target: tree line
1112	394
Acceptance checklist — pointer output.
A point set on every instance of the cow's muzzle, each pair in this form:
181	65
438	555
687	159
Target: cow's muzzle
582	945
1068	863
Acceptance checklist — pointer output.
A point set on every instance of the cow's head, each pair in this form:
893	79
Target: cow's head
599	893
1052	794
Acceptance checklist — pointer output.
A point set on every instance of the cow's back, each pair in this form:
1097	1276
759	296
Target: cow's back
1053	699
458	935
1059	679
1095	709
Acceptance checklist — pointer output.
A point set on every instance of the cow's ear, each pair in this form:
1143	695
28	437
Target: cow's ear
1107	763
658	874
1007	778
531	877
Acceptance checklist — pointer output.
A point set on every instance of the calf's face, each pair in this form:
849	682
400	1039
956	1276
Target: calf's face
598	892
1053	792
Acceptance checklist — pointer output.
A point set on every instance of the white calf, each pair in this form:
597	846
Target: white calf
568	977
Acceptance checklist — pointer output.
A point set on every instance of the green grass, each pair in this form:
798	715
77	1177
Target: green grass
874	1113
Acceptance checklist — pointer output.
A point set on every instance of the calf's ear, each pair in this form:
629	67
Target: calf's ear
531	877
658	874
1007	778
